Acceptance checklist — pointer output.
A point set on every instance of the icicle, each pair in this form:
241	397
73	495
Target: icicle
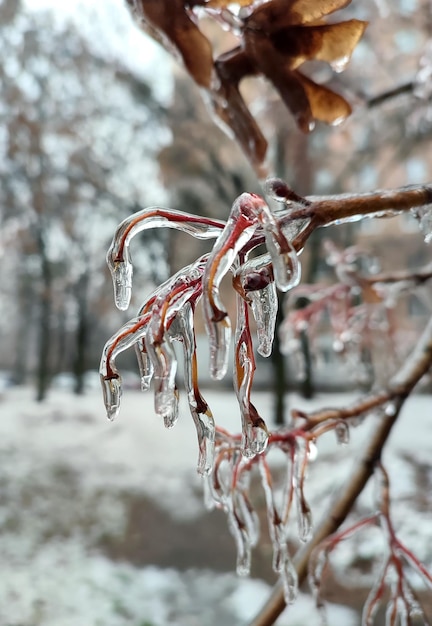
304	514
414	609
264	308
315	579
243	545
256	280
375	595
112	392
144	364
286	266
183	330
246	522
342	432
209	501
282	563
121	273
254	431
164	362
249	516
231	496
128	334
205	427
118	257
288	575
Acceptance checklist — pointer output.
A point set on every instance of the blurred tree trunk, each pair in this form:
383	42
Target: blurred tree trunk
44	335
291	163
26	300
277	358
82	334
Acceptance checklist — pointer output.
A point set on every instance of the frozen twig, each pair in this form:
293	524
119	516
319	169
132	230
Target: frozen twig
404	381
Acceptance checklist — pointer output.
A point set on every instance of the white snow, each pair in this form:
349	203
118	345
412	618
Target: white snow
64	466
108	27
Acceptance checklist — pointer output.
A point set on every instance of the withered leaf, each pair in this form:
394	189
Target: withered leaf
276	38
271	16
171	24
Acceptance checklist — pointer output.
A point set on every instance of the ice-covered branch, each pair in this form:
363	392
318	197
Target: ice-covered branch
418	364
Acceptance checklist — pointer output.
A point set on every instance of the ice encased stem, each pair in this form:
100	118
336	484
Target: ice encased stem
228	488
128	334
164	363
144	364
304	514
121	273
264	305
183	330
118	256
254	431
256	280
282	563
112	392
239	229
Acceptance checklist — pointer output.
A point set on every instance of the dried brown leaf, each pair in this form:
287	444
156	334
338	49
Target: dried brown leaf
328	42
278	14
326	105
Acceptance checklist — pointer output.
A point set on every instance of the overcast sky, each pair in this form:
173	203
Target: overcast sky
109	29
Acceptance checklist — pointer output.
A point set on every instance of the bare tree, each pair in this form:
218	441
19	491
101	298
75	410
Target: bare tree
63	151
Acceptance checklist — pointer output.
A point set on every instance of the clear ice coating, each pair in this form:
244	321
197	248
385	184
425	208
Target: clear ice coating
238	231
182	330
118	257
163	358
121	273
228	488
282	563
128	334
316	571
286	266
264	308
424	216
304	514
372	602
263	299
112	392
254	431
148	334
144	364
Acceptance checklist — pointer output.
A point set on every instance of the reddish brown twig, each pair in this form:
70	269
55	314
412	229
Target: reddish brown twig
404	382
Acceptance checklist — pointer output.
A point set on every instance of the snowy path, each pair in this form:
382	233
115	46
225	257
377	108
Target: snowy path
65	470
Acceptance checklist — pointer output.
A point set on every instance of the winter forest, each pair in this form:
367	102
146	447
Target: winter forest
216	334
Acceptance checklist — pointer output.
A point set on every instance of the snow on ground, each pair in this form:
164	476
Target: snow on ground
65	470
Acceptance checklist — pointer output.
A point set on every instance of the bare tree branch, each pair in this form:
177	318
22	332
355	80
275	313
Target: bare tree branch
404	382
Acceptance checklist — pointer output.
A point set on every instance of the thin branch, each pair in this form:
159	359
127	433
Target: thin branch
406	88
417	277
326	210
405	380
